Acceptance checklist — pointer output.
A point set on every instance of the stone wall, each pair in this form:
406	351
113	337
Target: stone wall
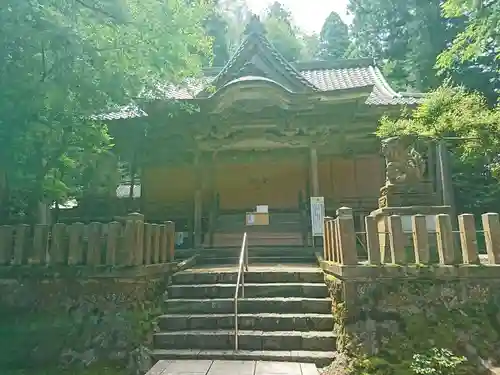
387	321
398	300
76	316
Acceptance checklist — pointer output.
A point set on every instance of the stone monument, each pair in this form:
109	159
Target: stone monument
406	192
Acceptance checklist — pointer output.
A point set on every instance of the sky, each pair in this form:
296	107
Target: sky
308	14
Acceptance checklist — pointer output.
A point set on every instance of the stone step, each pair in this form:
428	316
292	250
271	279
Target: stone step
309	290
225	239
249	305
292	274
253	251
247	340
237	229
320	358
268	322
258	260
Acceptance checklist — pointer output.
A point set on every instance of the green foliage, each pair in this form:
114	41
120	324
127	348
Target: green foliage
282	33
479	43
406	38
455	112
65	61
436	362
334	38
216	26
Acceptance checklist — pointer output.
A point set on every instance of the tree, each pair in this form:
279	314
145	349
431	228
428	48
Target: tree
64	61
406	36
478	45
454	112
216	26
282	32
237	14
334	38
311	47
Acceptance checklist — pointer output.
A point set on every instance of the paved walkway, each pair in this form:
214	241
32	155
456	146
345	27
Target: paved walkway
208	367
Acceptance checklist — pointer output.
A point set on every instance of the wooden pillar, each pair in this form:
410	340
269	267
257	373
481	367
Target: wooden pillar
313	159
198	202
314	172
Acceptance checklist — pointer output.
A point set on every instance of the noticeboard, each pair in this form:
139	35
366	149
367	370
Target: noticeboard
317	215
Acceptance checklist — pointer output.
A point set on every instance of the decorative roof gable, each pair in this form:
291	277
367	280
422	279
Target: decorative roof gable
256	56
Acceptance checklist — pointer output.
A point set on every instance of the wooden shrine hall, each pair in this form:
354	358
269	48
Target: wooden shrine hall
259	131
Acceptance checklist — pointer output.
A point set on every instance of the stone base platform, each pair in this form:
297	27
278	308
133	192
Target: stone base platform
210	367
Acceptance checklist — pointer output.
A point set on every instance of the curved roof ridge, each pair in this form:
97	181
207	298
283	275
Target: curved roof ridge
382	83
245	79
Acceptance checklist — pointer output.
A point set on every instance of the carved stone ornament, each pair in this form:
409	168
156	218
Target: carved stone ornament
403	164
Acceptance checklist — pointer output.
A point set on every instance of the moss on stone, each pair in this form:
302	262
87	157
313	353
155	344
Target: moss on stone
385	322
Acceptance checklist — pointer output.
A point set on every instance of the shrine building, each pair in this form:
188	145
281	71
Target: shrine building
260	131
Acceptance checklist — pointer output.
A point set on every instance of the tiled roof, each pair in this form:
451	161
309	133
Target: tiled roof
325	79
315	76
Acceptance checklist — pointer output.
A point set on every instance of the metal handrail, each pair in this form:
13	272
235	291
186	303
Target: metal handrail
240	280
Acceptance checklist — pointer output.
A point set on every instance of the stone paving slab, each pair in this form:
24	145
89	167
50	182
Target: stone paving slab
220	367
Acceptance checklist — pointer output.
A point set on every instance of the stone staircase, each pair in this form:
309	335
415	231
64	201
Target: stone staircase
285	316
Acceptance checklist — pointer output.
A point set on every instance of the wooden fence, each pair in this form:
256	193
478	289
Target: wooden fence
131	243
394	246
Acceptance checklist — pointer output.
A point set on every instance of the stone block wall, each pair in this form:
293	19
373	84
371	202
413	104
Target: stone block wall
91	316
395	303
389	320
80	294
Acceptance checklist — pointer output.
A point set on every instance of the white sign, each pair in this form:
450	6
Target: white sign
250	219
317	215
262	209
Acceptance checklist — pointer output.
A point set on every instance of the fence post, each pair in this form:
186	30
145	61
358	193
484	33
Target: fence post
114	232
94	244
334	251
163	243
327	239
171	240
468	238
397	240
445	243
6	244
75	253
155	231
420	239
58	248
20	242
128	244
491	226
148	237
372	243
346	237
138	252
40	241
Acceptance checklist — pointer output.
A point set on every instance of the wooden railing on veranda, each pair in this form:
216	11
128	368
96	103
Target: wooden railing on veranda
396	247
130	243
